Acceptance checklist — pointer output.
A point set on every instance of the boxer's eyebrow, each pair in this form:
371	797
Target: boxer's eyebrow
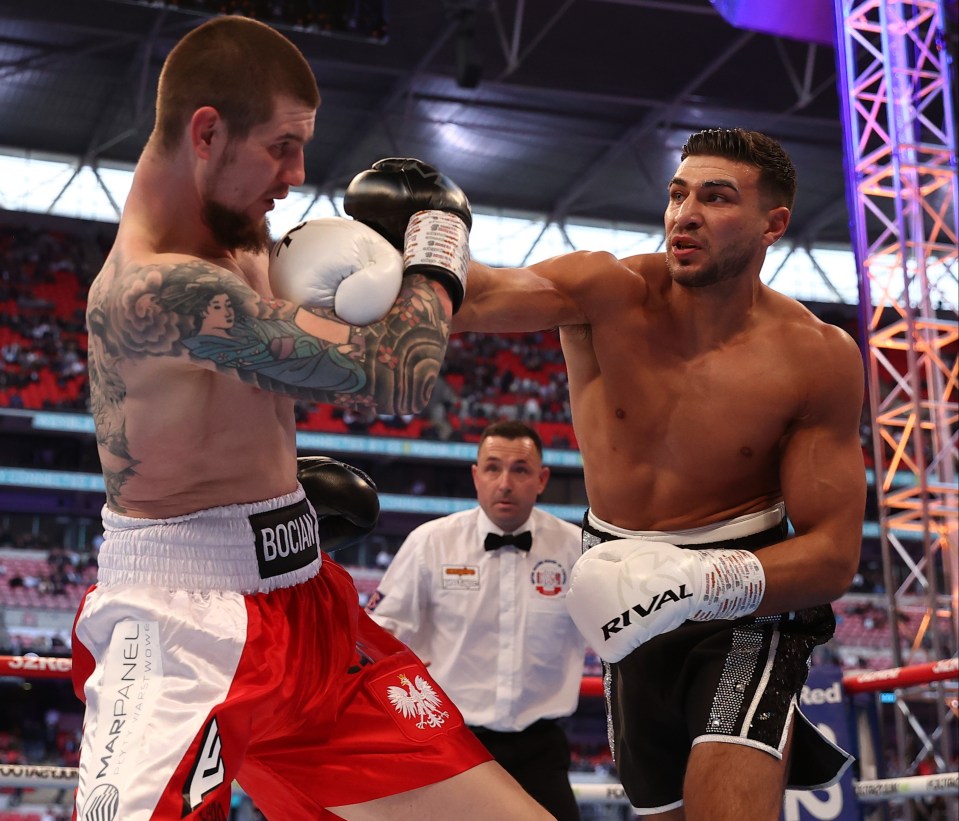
721	184
718	183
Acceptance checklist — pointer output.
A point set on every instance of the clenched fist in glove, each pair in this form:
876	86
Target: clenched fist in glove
340	264
421	211
344	498
624	592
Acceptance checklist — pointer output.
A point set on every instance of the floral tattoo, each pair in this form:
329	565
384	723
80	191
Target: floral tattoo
199	310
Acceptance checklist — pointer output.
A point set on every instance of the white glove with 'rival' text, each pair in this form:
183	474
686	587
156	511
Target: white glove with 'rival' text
626	591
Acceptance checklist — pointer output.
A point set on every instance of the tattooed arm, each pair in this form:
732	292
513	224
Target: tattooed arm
197	310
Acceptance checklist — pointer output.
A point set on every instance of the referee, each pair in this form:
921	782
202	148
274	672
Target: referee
479	596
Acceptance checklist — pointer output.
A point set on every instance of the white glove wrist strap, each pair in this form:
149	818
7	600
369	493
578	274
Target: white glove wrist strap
733	584
439	239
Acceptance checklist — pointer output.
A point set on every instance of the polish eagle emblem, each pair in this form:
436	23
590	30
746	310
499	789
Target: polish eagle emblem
418	700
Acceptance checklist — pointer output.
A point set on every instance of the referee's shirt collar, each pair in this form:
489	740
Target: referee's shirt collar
485	525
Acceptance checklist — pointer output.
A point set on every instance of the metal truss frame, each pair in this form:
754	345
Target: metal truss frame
900	152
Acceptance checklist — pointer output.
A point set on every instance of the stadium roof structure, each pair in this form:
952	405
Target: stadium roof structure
576	109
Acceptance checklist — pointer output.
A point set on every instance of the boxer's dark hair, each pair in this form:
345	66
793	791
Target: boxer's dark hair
777	174
513	430
237	66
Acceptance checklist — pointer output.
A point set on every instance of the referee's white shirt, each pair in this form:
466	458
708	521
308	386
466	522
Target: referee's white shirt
493	625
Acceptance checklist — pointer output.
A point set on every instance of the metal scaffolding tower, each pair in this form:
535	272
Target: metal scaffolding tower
900	152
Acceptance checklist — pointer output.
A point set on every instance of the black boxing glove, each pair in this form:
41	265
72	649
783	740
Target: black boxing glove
344	498
420	211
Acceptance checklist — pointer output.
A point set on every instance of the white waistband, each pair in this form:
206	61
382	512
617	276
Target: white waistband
737	528
214	549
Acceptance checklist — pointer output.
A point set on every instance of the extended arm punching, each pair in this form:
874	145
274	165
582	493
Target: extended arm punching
421	211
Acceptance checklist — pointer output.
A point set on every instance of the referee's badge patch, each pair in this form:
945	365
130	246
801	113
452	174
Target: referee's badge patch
548	577
416	704
460	577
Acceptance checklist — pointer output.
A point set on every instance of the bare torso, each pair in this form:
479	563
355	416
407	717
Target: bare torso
195	363
677	435
698	393
173	436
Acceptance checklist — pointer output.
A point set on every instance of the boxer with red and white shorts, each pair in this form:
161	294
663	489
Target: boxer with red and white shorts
224	645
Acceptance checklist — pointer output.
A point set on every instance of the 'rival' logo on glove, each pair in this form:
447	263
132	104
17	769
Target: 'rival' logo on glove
624	619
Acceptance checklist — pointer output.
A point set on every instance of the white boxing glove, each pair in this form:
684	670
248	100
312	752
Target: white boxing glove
340	264
624	592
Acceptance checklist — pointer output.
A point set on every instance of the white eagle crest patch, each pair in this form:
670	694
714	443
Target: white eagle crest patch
419	700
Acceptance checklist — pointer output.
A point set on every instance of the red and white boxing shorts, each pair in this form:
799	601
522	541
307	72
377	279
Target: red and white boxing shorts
223	645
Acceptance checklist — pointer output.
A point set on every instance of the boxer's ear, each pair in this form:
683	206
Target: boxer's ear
204	126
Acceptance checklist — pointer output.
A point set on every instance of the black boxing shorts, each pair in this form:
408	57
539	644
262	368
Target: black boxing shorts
224	645
735	681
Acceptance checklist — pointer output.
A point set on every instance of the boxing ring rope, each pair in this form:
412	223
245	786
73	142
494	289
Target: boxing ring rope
917	786
35	667
897	677
38	775
867	682
887	789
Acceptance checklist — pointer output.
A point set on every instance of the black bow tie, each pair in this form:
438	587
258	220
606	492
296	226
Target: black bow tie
521	541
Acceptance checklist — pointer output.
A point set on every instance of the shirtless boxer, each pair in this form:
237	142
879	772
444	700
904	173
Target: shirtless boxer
706	405
219	642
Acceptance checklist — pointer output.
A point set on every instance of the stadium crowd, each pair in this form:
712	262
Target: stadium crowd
44	277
